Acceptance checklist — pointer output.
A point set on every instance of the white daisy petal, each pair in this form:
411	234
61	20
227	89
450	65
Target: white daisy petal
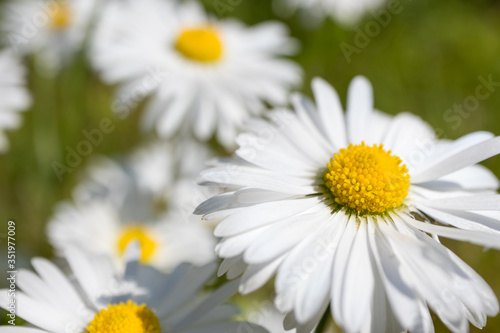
379	125
36	312
312	143
296	267
236	270
313	294
456	221
240	198
473	236
311	325
227	263
265	180
433	280
339	268
215	299
403	301
488	219
236	245
459	160
357	287
416	135
330	112
359	108
490	302
292	230
84	272
56	280
35	289
261	215
476	202
256	276
259	149
474	177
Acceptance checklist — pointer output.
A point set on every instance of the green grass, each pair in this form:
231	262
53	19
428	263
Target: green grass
426	60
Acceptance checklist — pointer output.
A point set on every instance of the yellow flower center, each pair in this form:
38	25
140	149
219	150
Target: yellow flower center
200	44
367	179
143	236
125	318
62	16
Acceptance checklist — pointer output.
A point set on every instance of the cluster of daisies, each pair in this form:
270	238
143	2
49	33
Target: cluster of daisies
342	211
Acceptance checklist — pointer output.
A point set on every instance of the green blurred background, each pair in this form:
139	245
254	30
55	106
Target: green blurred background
426	60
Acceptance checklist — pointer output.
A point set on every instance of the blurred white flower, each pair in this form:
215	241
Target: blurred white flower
205	75
345	12
347	210
52	29
96	298
267	316
14	96
148	197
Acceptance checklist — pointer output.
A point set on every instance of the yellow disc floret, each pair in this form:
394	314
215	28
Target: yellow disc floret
200	44
143	236
125	318
367	179
62	16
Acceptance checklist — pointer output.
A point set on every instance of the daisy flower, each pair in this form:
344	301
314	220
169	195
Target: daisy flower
346	12
14	97
95	298
121	202
346	210
52	29
205	75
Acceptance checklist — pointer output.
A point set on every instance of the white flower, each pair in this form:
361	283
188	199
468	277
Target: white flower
313	197
137	199
205	75
142	300
54	29
14	97
345	12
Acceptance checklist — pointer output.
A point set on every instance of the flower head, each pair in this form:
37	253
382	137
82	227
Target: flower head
346	210
205	76
138	199
140	300
54	30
